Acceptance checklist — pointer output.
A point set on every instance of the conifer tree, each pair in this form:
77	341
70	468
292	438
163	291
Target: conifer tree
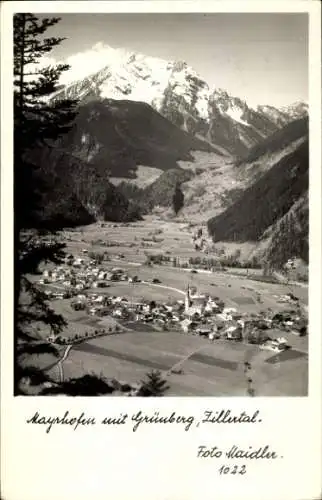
177	200
154	385
37	123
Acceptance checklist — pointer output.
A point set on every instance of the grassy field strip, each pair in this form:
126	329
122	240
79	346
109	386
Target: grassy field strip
180	363
146	358
214	383
101	351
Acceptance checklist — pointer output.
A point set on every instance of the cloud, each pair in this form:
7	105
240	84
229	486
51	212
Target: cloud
85	63
90	61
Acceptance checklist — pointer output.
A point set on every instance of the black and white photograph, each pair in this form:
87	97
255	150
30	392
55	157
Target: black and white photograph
161	204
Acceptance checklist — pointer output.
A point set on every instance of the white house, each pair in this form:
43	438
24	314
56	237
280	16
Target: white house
208	307
186	325
233	332
224	317
118	300
241	323
205	332
117	313
229	310
117	270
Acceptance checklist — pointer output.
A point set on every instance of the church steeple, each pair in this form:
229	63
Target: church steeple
187	299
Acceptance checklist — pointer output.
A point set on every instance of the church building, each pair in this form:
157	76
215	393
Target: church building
194	304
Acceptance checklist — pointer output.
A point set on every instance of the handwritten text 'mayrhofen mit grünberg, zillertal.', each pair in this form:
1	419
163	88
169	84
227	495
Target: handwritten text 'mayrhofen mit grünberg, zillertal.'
140	418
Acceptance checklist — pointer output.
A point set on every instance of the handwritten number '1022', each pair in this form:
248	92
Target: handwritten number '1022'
233	470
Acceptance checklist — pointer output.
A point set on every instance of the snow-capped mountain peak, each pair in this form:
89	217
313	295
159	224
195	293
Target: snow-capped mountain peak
276	115
233	107
120	74
296	110
173	89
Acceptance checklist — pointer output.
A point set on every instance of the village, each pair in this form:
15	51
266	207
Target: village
85	279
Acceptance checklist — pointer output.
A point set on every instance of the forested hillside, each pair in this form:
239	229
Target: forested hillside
75	193
116	136
265	202
277	141
159	193
290	236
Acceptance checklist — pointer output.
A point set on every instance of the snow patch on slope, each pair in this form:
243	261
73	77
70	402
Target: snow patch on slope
236	114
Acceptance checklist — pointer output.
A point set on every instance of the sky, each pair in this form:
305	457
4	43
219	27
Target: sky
260	57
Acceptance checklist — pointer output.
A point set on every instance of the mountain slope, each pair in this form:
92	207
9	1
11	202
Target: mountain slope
74	193
57	205
220	183
279	140
116	136
264	202
109	138
161	191
289	237
158	193
234	125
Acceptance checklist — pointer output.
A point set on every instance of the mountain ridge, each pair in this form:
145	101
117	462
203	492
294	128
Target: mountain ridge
179	93
272	214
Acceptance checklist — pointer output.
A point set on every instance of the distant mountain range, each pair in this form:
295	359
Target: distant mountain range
178	93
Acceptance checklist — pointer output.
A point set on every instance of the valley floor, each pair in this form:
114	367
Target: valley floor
209	368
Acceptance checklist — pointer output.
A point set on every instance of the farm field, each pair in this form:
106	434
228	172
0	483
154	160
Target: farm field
209	368
212	369
171	238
